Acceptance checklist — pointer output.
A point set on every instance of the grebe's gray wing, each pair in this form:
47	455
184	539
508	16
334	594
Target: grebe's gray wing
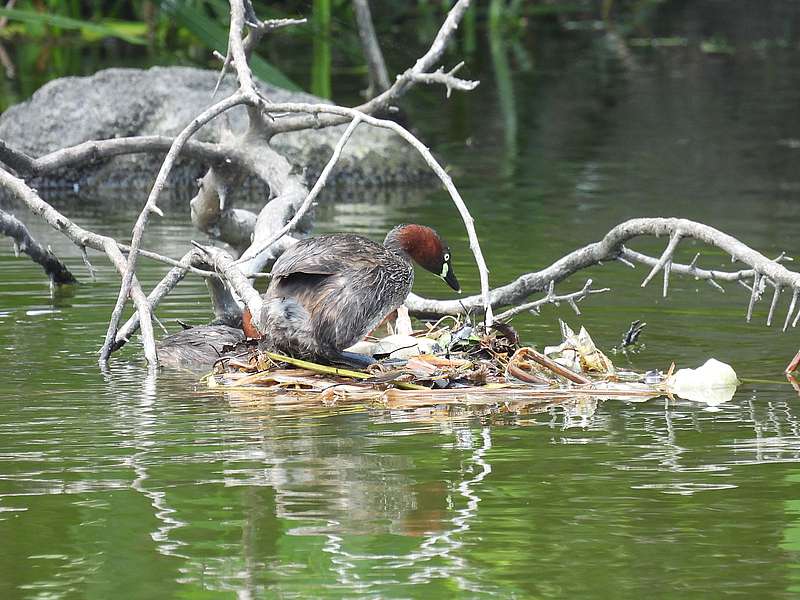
326	255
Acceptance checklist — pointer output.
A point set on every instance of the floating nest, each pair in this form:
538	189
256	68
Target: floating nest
446	364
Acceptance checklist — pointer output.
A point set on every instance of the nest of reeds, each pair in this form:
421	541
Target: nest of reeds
448	362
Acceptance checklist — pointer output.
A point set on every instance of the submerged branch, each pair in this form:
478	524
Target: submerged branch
55	269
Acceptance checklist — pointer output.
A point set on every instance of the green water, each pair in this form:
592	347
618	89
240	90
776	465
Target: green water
131	485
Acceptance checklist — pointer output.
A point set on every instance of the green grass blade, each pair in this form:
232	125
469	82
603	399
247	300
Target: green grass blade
118	29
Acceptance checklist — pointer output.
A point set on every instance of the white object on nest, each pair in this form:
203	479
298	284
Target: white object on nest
713	383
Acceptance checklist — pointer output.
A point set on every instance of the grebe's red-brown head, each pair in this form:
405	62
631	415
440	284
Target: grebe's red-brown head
426	248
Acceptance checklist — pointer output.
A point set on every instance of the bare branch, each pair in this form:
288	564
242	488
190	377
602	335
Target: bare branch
690	269
236	51
257	30
754	295
228	270
665	258
773	304
628	263
609	248
165	286
82	238
88	263
139	300
55	269
151	207
551	298
88	152
401	85
273	24
791	308
448	79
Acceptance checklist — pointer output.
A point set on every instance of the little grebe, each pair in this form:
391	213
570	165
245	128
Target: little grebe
328	292
198	347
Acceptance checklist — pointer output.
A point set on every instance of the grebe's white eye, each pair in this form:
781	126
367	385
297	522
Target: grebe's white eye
446	256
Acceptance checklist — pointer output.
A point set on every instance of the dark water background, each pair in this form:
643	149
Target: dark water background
134	486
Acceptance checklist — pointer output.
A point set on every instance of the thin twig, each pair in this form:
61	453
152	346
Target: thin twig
164	287
447	79
773	305
792	303
753	295
88	263
551	298
400	86
626	262
667	268
665	257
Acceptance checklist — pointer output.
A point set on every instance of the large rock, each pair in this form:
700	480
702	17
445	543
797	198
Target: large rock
162	100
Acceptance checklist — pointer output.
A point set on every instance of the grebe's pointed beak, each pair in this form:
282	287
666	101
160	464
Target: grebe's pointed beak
450	279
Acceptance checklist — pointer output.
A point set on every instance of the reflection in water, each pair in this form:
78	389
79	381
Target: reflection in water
440	539
144	424
256	497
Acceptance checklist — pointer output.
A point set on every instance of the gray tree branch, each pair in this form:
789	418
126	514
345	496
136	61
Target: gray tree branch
152	207
55	269
402	84
612	247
